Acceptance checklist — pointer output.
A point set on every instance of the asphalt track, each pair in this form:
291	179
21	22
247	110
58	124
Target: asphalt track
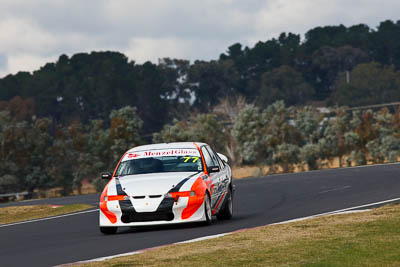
257	201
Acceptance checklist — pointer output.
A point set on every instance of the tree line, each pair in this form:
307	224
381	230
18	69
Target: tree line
41	154
283	137
333	65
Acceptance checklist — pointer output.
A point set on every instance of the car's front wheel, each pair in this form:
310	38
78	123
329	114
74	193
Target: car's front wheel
108	230
226	212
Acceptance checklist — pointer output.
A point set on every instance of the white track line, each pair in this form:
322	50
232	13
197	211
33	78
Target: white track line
49	218
202	238
341	211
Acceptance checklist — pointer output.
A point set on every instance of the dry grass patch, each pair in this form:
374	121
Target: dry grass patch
25	213
362	239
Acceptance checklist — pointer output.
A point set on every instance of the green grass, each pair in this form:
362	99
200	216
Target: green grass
25	213
362	239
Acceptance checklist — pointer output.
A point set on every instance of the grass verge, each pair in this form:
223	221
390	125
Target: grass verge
25	213
369	238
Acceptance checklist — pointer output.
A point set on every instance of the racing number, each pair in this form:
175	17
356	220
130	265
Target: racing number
193	158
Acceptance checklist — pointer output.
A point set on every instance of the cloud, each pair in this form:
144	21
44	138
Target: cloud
27	47
27	62
3	65
152	49
301	16
39	30
3	62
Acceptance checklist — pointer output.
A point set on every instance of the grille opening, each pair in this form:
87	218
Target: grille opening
138	197
147	217
155	196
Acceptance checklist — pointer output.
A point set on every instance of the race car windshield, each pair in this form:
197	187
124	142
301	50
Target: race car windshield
160	164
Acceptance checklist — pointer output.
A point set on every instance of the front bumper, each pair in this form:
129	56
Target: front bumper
167	212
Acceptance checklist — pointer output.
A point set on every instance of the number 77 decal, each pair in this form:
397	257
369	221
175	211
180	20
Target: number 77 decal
193	158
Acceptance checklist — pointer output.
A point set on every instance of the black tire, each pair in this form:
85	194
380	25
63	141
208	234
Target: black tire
226	211
207	210
108	230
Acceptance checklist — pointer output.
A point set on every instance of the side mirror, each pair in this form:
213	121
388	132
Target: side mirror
213	169
223	157
106	175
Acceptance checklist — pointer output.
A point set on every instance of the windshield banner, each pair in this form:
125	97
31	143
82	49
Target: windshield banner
162	153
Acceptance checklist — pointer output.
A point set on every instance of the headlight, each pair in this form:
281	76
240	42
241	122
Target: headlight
177	195
111	198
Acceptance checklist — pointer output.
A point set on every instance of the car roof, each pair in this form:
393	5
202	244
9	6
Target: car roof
175	145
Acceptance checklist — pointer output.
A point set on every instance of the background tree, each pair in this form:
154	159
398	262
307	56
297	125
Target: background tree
332	142
125	131
177	89
307	121
227	112
212	81
386	145
260	133
62	160
327	62
386	43
286	155
248	130
310	154
363	132
40	139
369	83
283	83
98	156
201	128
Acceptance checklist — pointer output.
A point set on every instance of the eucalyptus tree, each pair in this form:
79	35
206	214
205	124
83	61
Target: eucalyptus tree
369	83
307	121
386	145
283	83
201	128
125	130
266	136
332	142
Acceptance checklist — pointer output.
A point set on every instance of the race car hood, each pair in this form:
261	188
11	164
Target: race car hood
152	183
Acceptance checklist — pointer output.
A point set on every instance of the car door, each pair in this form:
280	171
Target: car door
214	176
224	175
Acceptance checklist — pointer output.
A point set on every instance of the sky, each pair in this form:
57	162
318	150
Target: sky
34	32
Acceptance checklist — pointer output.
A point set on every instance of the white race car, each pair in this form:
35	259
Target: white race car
164	184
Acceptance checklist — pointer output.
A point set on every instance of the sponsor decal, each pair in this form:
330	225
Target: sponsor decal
186	159
172	152
191	154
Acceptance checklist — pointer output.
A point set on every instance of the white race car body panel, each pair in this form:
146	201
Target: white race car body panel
162	197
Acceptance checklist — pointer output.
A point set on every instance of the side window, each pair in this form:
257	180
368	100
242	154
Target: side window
207	157
221	163
213	157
